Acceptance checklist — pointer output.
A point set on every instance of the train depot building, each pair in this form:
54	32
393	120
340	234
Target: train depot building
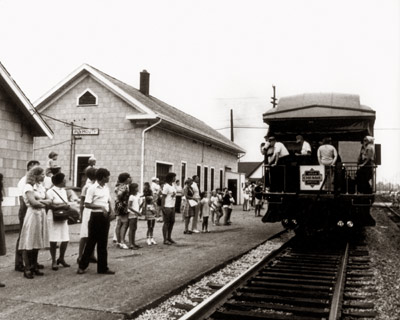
128	130
19	124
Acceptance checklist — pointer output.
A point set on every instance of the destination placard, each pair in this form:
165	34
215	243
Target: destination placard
85	132
311	177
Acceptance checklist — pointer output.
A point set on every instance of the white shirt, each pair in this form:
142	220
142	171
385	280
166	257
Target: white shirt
135	199
21	184
280	150
170	193
306	148
196	191
98	195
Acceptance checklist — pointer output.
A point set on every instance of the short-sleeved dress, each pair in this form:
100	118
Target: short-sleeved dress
34	232
58	230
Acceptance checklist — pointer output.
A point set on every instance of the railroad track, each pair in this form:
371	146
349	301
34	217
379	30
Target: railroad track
301	280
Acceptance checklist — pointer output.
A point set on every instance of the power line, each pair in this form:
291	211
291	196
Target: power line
52	145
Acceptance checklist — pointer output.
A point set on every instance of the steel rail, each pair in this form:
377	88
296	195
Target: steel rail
337	297
209	305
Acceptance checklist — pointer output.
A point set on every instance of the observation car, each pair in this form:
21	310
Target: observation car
310	197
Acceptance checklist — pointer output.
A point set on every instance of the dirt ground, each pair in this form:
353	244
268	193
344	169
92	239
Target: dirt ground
384	247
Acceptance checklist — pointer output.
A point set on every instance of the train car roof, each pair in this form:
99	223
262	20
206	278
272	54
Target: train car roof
321	114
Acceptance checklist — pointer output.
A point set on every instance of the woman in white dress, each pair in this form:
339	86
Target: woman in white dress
58	230
34	232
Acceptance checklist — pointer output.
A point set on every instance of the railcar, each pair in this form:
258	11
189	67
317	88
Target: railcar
305	195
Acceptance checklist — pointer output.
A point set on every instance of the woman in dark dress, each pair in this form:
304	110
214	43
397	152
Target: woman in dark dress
2	236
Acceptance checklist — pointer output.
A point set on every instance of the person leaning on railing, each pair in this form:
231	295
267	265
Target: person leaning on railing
365	162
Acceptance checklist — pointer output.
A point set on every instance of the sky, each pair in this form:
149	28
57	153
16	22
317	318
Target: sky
206	56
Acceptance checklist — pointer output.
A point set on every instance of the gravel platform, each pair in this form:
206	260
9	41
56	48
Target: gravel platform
143	276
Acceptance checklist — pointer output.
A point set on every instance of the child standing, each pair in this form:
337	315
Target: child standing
150	213
214	206
205	210
133	209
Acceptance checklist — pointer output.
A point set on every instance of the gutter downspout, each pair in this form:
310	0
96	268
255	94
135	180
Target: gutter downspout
142	155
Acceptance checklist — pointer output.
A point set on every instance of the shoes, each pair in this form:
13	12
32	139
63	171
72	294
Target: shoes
137	246
203	231
63	263
207	231
172	241
153	241
107	272
167	243
36	272
80	271
28	274
148	241
92	260
40	266
196	231
20	268
187	232
54	267
123	246
2	285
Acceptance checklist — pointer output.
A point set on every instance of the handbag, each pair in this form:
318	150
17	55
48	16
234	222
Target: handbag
62	214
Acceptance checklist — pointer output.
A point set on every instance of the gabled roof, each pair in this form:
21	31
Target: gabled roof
148	106
39	126
248	167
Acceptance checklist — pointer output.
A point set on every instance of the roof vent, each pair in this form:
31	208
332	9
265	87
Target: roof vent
145	82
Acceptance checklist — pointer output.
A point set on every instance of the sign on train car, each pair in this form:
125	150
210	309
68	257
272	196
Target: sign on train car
311	177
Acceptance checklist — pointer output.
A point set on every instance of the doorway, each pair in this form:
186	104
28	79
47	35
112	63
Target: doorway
82	161
232	186
162	169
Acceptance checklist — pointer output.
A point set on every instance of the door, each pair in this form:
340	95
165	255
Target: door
232	186
81	164
161	171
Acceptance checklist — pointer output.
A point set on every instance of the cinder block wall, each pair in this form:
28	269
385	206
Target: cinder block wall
118	145
16	146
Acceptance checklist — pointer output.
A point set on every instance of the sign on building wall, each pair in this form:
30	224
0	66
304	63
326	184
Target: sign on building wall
85	132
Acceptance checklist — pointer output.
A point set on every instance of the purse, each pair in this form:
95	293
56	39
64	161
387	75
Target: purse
62	214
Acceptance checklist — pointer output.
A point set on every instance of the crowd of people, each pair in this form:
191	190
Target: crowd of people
46	204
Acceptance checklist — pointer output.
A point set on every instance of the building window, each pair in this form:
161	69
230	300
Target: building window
212	179
205	178
198	173
221	178
162	169
183	173
87	98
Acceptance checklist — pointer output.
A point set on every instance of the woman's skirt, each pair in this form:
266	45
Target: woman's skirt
34	232
58	230
85	223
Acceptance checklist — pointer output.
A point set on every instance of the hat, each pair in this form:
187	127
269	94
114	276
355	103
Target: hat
155	179
272	138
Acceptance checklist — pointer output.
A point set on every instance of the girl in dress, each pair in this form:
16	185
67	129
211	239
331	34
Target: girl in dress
34	232
150	213
133	209
205	210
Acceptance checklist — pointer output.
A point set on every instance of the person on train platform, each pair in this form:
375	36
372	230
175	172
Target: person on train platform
258	201
327	156
267	150
304	156
278	160
365	165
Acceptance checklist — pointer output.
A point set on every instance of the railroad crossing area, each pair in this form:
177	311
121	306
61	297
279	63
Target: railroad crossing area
143	277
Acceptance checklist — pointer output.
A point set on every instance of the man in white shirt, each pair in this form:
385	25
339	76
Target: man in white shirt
19	263
98	199
277	162
168	207
305	146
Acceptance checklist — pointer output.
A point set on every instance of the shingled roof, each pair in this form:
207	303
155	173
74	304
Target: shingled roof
151	106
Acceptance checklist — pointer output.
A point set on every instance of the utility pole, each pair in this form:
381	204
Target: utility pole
232	138
273	98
